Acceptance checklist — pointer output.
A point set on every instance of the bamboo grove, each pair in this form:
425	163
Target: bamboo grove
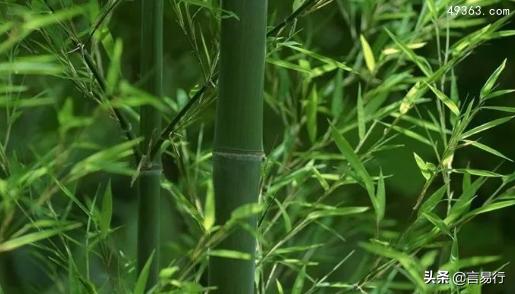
254	146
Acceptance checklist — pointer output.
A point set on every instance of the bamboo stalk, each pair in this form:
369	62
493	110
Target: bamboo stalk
151	73
238	147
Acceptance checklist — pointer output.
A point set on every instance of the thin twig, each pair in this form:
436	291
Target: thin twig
80	49
124	123
291	17
101	20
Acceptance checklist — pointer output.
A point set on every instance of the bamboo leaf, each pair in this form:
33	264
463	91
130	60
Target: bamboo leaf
368	54
356	164
432	201
479	172
245	211
490	83
381	198
463	202
141	282
312	109
299	281
324	59
486	126
438	222
320	178
113	74
361	116
491	207
40	21
279	287
501	108
31	238
230	254
107	210
458	264
337	97
410	133
446	100
32	65
498	93
419	61
412	268
336	212
392	50
487	149
209	208
288	65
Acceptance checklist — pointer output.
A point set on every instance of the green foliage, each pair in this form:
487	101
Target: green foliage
387	133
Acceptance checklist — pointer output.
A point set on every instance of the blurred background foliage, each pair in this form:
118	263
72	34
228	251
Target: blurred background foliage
392	78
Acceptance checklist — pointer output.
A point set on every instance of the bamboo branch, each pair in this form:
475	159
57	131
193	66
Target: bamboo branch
123	122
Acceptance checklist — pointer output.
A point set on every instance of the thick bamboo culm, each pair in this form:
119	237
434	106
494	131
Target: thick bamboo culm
238	145
151	73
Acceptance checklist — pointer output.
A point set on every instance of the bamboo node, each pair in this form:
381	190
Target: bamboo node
246	155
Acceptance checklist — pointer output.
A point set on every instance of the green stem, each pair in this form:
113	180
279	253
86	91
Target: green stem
238	146
151	73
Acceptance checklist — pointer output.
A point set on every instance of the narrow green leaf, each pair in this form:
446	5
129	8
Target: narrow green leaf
287	65
230	254
113	74
245	211
381	198
498	93
478	172
491	207
392	50
32	65
368	54
463	202
486	126
490	83
107	210
487	149
336	212
320	178
299	281
412	268
209	208
42	20
279	287
501	108
446	100
361	116
337	97
419	61
355	163
432	200
321	58
311	110
410	133
438	222
34	237
141	283
475	261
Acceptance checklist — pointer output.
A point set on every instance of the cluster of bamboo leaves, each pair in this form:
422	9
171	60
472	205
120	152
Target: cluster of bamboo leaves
324	222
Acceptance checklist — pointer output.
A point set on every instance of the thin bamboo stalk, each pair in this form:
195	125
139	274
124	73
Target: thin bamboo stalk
151	73
238	145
